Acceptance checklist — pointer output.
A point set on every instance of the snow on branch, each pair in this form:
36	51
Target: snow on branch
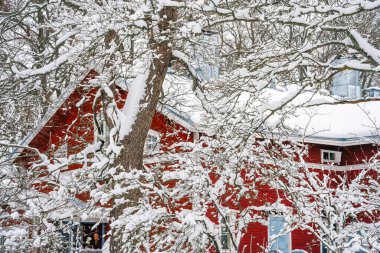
135	96
169	3
185	59
43	70
367	48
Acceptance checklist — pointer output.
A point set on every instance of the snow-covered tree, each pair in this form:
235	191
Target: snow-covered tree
254	45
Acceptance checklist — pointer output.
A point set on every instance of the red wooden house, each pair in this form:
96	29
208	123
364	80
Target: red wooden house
69	126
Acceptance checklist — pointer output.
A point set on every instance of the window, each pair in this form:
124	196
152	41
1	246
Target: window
61	151
347	84
324	249
358	243
278	239
373	92
2	243
204	56
83	236
225	234
152	142
71	237
329	156
92	238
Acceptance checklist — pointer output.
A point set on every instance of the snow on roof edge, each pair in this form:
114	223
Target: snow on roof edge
49	113
179	118
342	142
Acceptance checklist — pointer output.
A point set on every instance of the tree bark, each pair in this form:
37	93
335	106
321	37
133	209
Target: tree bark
131	156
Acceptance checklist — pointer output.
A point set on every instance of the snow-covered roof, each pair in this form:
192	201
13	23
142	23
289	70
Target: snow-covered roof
343	121
373	88
317	119
320	118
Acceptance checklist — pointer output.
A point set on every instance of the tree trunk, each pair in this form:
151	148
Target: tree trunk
131	156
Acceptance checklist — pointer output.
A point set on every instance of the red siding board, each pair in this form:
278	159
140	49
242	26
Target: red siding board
305	240
255	239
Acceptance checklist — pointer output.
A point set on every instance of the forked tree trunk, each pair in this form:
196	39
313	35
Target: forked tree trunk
131	156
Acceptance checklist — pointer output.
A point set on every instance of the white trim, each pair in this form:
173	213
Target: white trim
186	123
89	220
331	141
195	137
164	157
341	142
337	167
230	220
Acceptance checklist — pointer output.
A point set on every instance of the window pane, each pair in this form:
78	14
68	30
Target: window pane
61	151
332	156
325	155
224	241
276	227
92	238
224	235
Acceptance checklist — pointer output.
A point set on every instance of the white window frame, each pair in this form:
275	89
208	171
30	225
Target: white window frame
230	219
289	234
322	246
156	148
61	151
363	247
338	156
2	242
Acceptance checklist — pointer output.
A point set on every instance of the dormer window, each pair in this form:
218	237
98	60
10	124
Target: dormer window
205	56
347	82
224	236
373	92
152	142
61	151
330	156
226	230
